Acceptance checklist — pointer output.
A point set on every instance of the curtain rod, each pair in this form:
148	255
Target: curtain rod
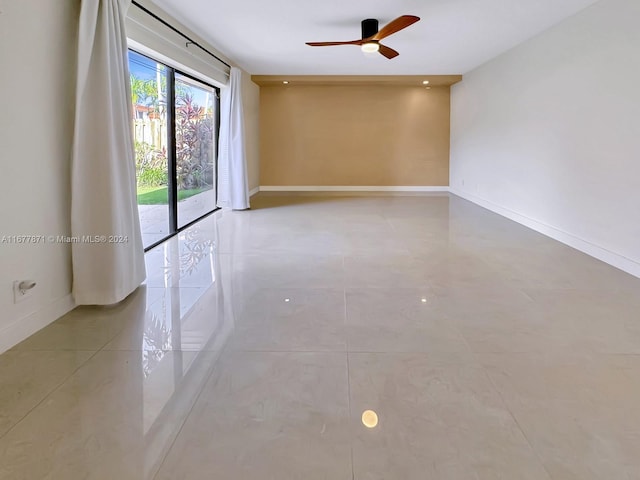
190	40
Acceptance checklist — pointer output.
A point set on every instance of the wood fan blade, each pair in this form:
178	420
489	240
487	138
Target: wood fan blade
330	44
395	26
388	52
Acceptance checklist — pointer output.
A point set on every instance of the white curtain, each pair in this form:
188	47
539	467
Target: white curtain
107	254
233	185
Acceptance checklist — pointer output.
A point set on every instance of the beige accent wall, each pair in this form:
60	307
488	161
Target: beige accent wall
354	135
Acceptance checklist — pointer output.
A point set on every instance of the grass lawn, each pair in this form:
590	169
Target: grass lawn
159	195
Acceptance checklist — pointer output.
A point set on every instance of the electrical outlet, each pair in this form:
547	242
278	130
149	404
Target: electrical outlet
22	294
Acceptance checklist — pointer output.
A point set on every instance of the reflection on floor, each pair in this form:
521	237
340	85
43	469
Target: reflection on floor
486	351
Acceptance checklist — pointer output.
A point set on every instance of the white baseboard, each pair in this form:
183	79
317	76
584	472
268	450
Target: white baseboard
351	188
614	259
253	191
24	327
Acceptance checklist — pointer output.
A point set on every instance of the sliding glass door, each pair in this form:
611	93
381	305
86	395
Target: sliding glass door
149	95
175	133
196	113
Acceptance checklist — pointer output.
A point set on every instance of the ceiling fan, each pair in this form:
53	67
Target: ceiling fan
371	36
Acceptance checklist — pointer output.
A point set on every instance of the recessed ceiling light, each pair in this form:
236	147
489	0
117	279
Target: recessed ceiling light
424	300
287	300
426	82
286	82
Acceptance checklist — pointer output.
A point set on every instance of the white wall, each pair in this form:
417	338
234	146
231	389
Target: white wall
37	83
37	79
549	133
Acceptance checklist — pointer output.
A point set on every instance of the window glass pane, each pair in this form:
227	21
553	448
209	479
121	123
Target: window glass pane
195	148
149	96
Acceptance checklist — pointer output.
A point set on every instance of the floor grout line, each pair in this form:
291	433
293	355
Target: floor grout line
346	334
187	415
351	420
508	408
54	389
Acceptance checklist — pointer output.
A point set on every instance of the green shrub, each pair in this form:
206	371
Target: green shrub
151	165
152	177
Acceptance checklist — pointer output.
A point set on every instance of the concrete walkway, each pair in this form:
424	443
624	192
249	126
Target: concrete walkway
154	219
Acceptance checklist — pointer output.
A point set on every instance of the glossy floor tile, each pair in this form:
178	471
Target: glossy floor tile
28	377
438	417
580	413
114	418
362	338
291	319
268	416
400	320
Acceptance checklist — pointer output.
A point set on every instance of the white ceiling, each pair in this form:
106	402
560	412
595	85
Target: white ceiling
454	36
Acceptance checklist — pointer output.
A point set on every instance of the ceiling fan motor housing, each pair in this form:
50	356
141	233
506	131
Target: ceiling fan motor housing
369	27
371	36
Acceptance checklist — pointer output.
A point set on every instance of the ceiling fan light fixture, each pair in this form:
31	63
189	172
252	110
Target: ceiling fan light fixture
371	36
370	47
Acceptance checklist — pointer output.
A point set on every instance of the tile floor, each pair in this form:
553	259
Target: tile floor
487	350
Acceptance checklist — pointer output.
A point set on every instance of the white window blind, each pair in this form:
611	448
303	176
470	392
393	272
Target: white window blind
151	37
